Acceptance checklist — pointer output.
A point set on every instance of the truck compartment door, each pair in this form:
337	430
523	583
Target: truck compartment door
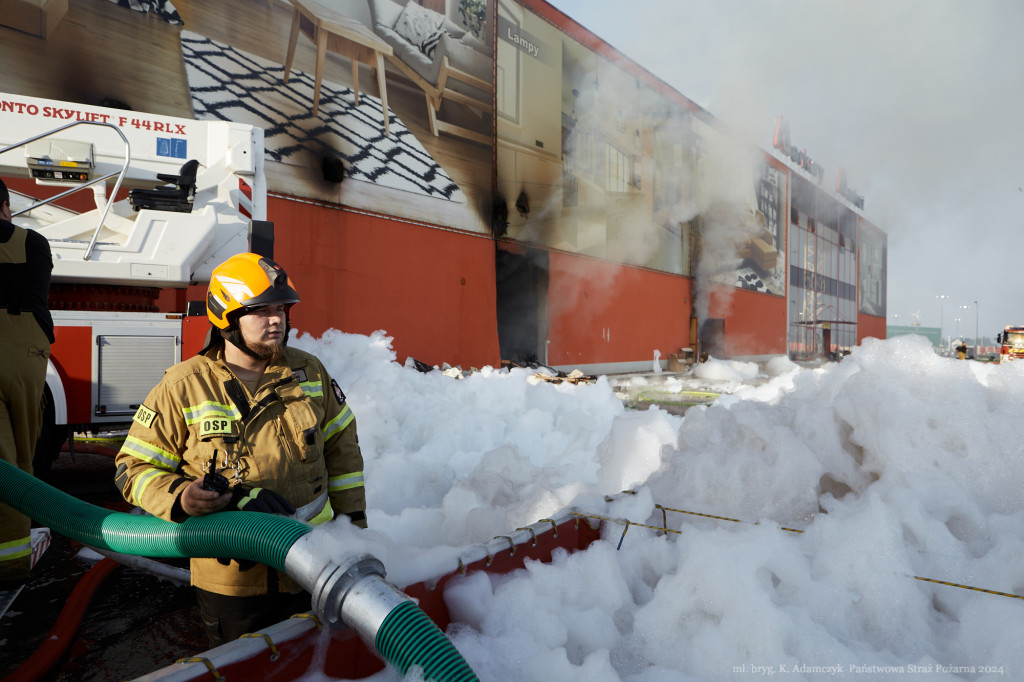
128	367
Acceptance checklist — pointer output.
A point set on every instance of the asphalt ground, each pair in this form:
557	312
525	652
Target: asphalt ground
135	622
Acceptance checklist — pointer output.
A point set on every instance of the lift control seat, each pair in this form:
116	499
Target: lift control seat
178	196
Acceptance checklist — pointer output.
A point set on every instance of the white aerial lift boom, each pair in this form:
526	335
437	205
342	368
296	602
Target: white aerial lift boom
197	195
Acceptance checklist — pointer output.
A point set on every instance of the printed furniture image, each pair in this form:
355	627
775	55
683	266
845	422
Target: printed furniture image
342	35
444	60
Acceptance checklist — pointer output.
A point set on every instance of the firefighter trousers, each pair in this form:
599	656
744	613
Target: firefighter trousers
227	617
22	377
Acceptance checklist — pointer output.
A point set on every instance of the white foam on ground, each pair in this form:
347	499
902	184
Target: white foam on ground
895	462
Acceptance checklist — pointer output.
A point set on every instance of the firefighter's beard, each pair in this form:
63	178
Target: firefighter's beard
268	351
255	349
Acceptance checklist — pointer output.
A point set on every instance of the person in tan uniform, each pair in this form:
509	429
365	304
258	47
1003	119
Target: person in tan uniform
26	332
249	424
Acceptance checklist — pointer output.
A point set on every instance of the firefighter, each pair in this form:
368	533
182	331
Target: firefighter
249	424
26	332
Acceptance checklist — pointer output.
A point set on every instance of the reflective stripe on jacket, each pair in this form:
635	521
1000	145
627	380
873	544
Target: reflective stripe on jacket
295	436
16	549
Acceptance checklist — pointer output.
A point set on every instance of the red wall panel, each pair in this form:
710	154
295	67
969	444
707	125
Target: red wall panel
870	326
755	323
432	290
603	312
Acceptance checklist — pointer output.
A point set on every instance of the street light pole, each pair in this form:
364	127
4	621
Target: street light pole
977	345
942	307
963	319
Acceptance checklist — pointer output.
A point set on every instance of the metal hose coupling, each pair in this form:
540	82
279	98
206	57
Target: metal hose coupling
352	592
347	592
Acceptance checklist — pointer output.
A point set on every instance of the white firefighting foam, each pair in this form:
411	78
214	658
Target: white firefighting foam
920	457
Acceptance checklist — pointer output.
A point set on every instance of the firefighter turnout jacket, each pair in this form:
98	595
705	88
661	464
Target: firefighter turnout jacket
295	435
26	331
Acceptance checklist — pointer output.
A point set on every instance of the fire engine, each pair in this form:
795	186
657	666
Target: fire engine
185	196
1011	343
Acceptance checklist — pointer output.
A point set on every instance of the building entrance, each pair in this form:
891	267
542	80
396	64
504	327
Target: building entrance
522	288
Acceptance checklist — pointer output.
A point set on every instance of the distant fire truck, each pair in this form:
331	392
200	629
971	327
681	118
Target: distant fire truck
124	262
1011	343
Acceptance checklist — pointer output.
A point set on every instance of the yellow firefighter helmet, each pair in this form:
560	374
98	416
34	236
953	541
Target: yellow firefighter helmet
246	281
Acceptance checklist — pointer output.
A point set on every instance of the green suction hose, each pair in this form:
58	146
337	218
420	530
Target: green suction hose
263	538
354	594
409	637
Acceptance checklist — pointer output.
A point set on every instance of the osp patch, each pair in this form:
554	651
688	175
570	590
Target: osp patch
145	416
215	426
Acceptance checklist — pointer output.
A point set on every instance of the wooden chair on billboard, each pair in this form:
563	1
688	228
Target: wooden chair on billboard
445	61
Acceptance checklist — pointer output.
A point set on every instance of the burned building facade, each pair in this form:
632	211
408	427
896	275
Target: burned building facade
512	189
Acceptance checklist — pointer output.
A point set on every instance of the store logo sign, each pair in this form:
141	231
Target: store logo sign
522	39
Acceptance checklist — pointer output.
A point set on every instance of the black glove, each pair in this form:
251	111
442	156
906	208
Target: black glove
263	500
245	498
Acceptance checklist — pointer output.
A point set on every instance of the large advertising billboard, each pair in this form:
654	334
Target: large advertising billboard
393	106
872	257
377	104
597	157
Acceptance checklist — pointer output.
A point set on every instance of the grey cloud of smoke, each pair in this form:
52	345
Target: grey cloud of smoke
728	217
610	106
723	194
917	100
